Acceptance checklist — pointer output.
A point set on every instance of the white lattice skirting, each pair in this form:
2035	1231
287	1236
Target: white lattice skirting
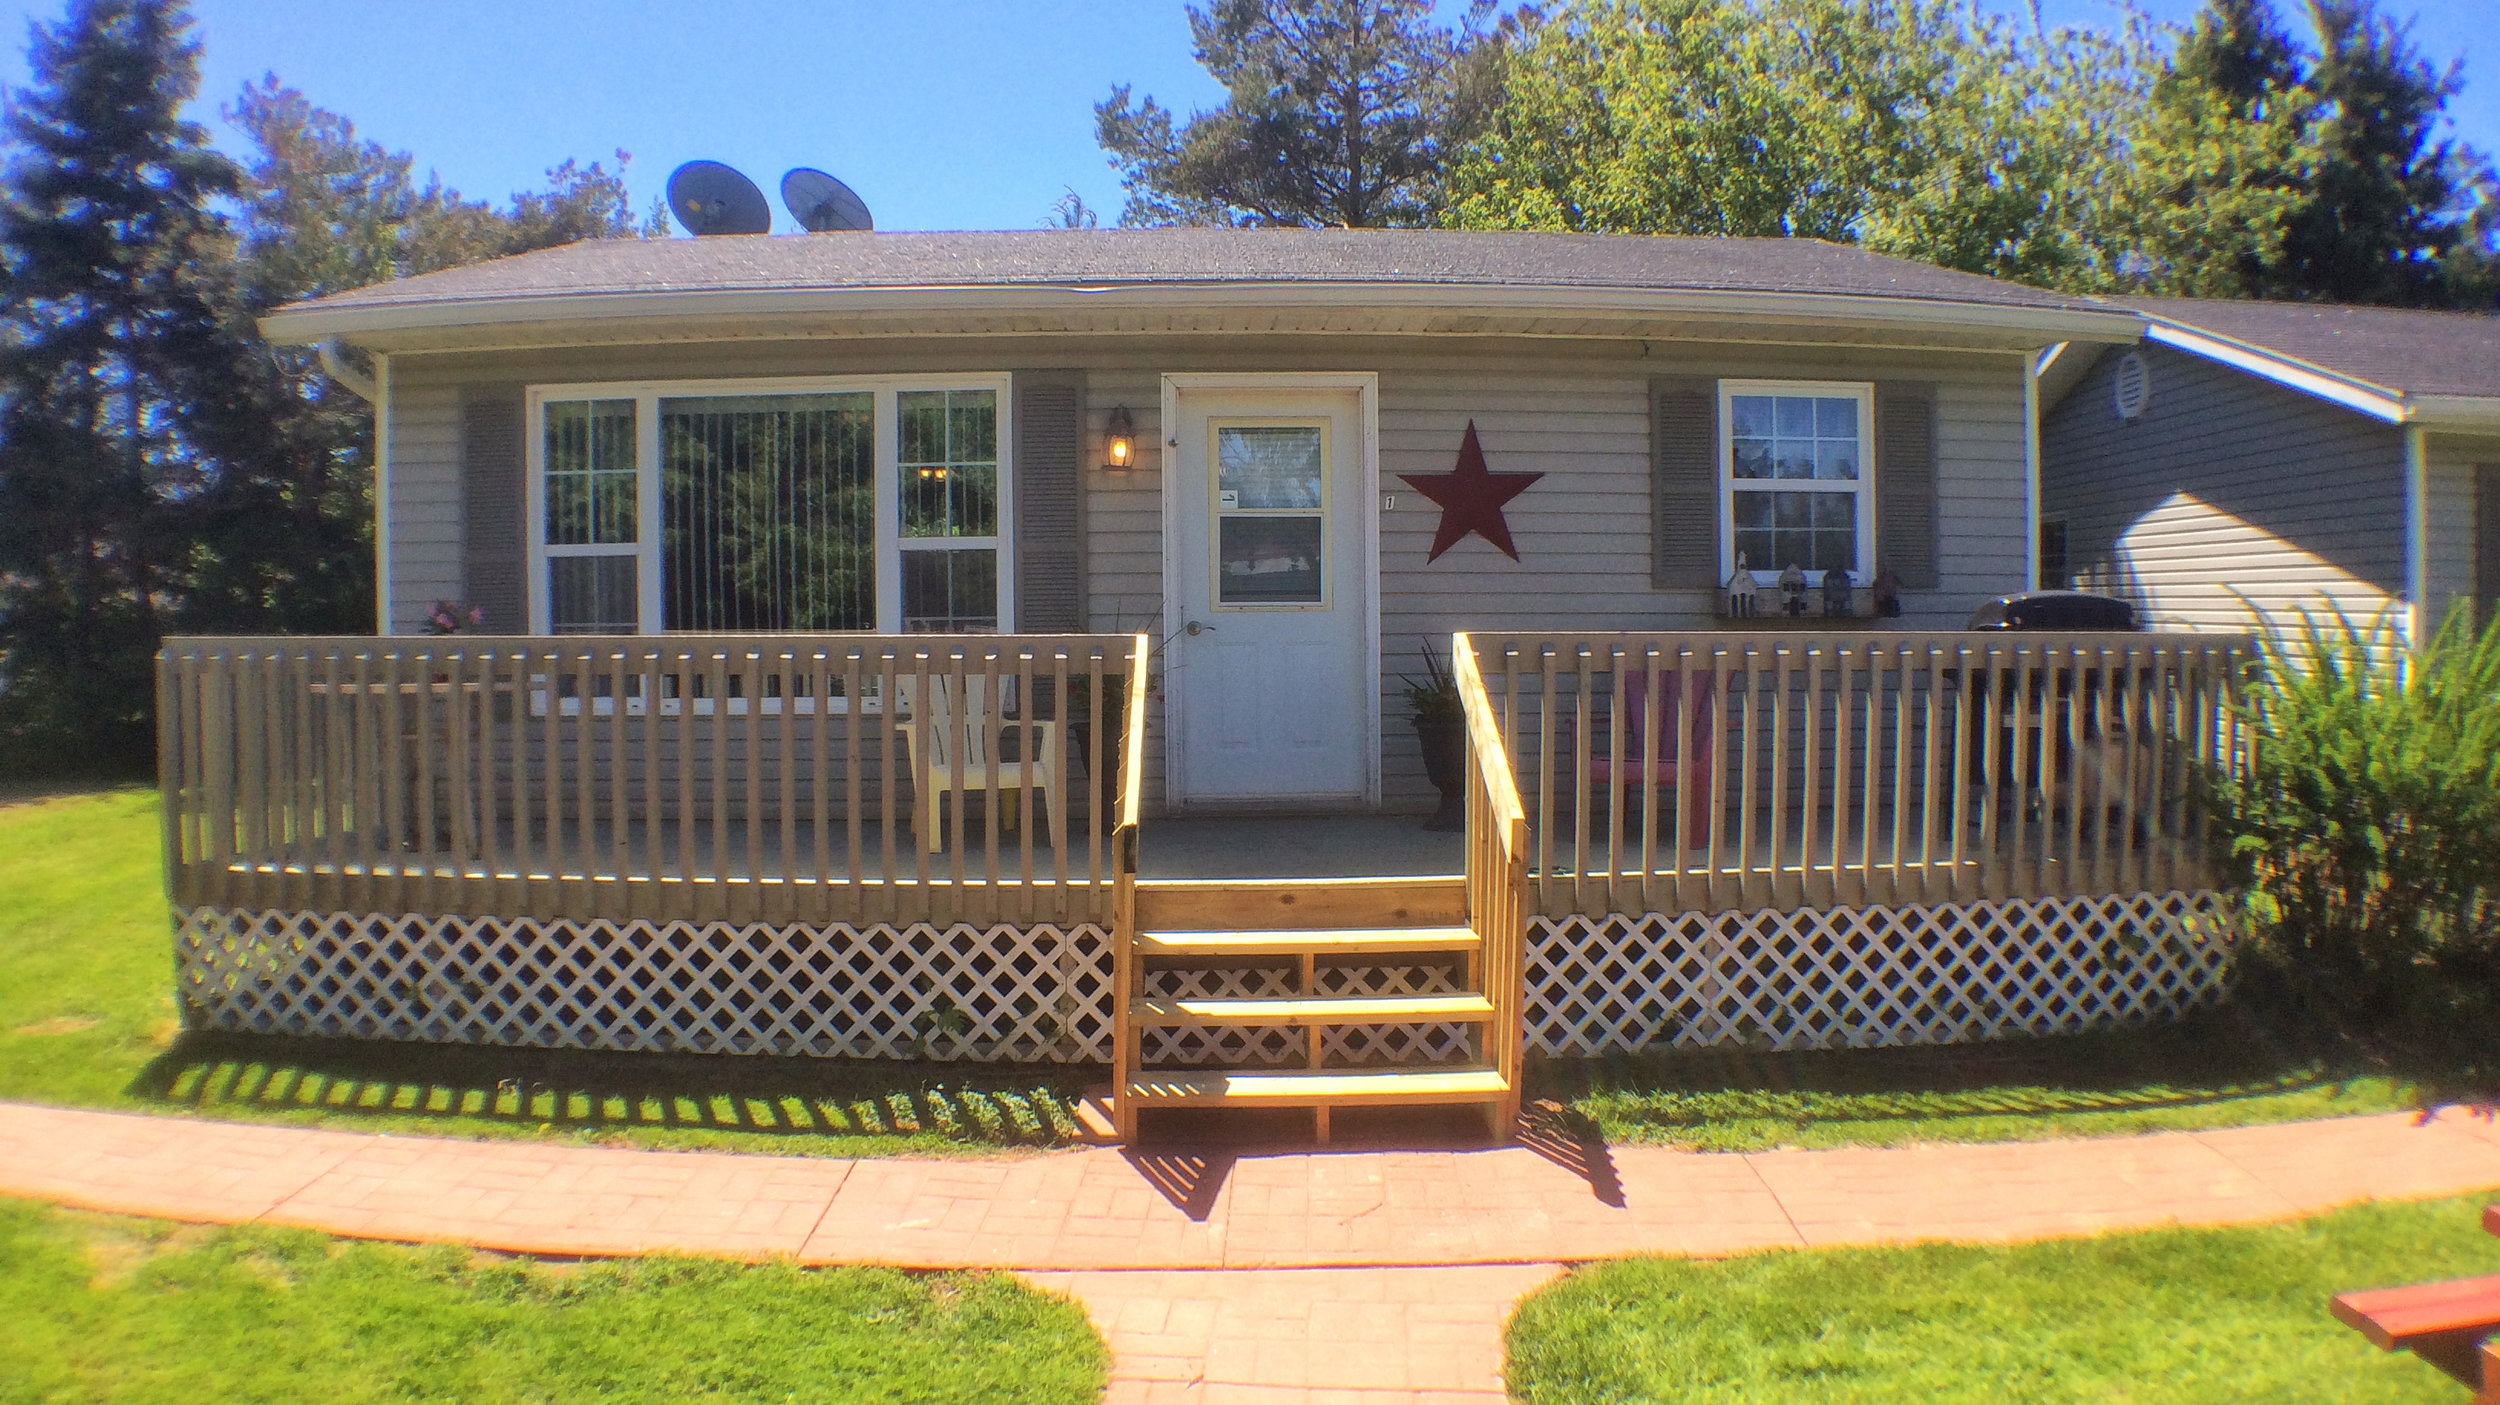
1843	977
1860	977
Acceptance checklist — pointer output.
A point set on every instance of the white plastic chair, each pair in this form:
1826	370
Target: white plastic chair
932	734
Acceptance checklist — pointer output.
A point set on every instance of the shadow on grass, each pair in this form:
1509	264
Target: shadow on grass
2213	1058
1005	1105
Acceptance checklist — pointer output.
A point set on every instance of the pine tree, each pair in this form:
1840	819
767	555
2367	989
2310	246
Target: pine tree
2390	200
109	252
1337	113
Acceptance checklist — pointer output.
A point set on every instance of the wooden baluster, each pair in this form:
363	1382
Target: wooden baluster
1615	657
785	674
172	795
618	869
1813	652
1931	775
1581	686
1652	719
854	768
1035	815
1547	883
993	707
820	777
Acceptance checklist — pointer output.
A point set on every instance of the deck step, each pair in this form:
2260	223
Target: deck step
1465	1085
1302	1011
1354	941
1310	904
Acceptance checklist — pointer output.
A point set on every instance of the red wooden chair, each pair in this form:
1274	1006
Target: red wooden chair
1688	777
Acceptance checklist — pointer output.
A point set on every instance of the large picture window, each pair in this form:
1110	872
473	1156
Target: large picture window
770	506
1796	482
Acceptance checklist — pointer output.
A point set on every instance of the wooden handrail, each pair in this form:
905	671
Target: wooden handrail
1497	880
1124	974
1714	771
743	778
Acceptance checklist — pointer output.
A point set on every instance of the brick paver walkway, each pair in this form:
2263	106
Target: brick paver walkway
1382	1274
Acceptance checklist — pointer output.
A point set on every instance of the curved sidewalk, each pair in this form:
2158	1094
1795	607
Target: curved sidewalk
1419	1253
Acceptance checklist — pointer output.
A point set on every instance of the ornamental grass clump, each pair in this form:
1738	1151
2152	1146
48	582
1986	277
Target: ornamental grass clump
2362	827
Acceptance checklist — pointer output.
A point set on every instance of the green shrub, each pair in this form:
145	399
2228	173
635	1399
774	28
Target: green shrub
2362	827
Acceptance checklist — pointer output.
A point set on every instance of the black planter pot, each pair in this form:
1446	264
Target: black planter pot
1445	765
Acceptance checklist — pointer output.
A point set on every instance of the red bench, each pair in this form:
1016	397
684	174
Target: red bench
2451	1325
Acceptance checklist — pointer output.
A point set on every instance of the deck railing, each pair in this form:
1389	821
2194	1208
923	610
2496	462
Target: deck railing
740	778
1772	769
1497	878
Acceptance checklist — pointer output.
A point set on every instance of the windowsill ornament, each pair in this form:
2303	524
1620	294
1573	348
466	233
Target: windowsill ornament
1793	591
1836	602
1741	592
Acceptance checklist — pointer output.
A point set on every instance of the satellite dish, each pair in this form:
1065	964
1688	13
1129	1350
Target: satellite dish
710	198
821	204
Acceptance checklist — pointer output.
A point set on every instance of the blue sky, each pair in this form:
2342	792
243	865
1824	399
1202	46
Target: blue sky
943	114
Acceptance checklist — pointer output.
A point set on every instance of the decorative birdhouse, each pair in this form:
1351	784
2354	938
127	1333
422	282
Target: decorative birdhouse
1793	591
1886	592
1740	591
1836	594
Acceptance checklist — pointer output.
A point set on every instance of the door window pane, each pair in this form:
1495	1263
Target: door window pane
950	592
768	512
593	595
1268	561
590	472
1268	466
949	462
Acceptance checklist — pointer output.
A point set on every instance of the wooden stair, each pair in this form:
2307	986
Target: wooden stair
1303	927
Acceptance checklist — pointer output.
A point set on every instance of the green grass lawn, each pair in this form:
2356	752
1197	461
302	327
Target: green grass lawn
2220	1069
101	1308
2170	1315
87	1019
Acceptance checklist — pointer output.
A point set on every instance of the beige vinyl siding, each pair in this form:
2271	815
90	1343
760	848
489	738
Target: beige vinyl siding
2449	562
1575	411
2227	485
426	514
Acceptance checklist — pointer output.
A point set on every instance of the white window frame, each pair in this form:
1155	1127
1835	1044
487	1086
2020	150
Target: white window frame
1863	488
891	544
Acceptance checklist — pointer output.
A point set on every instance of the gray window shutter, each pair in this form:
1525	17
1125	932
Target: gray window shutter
1050	440
1905	481
1684	484
495	552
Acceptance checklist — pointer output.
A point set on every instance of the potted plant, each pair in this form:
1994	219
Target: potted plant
1441	729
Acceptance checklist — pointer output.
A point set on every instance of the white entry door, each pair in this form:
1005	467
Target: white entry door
1267	677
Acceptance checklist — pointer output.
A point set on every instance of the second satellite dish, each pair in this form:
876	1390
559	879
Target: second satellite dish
710	198
821	204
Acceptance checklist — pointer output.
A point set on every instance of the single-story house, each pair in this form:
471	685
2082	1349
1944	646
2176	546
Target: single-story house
2294	454
1123	529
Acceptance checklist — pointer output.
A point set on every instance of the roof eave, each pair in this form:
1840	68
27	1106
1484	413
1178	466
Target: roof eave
2379	402
2457	414
312	323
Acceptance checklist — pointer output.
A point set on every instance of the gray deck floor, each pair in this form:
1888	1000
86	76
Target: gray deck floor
1298	846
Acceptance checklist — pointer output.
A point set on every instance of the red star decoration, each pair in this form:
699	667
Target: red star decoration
1471	499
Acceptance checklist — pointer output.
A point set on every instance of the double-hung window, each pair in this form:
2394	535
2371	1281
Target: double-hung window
1796	480
825	505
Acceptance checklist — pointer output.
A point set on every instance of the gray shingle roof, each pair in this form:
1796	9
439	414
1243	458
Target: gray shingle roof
1038	258
2400	349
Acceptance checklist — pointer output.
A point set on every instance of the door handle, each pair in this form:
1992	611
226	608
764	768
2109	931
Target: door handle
1193	629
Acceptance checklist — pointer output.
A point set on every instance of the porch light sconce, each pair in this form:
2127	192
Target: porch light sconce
1120	441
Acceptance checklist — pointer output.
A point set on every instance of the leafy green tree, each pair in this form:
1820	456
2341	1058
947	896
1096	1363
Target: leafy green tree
110	257
283	541
1914	126
2222	158
1337	113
